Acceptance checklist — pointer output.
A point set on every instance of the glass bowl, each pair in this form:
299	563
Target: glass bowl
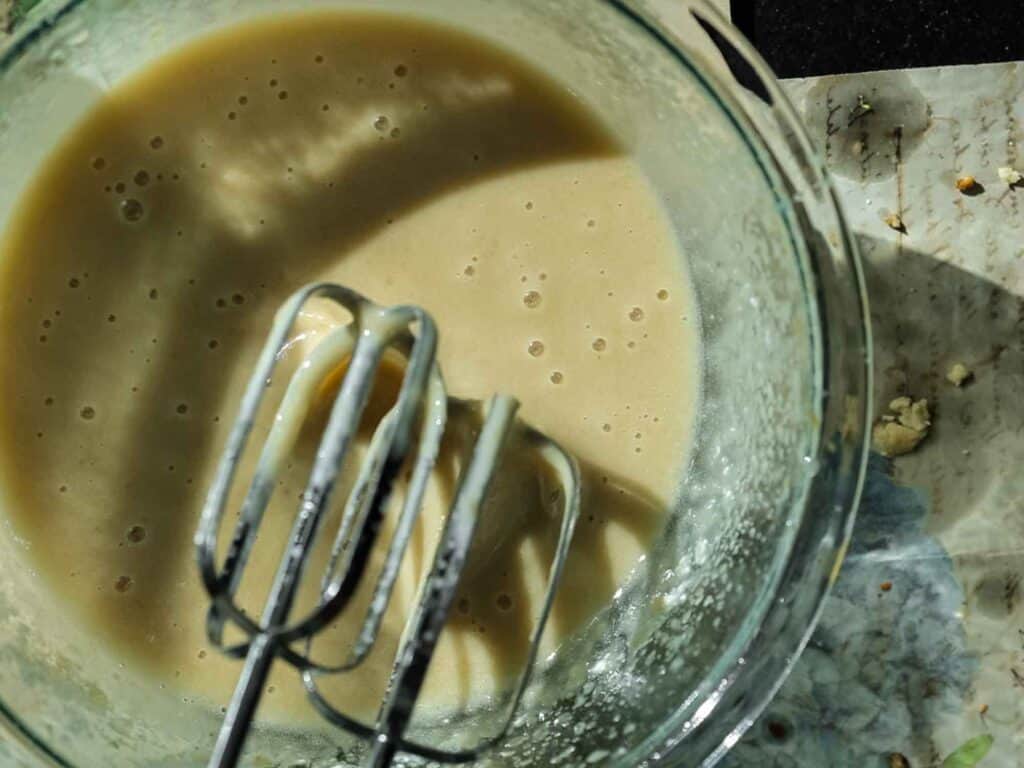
695	645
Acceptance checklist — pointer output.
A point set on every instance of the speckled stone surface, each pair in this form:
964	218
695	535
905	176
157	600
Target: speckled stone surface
921	645
800	38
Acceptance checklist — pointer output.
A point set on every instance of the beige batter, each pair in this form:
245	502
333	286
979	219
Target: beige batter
143	267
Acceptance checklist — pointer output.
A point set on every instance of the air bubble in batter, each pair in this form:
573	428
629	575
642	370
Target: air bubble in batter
132	209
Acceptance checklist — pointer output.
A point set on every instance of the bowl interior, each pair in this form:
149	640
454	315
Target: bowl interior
646	665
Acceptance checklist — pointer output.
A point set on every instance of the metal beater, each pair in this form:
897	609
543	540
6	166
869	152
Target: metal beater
411	430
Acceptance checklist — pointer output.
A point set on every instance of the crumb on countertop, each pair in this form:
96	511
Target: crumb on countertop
958	374
895	221
1010	176
967	184
885	586
911	413
902	429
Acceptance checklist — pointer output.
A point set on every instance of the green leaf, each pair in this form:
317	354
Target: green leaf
970	753
12	11
23	6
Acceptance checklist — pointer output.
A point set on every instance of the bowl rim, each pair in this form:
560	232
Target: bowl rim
710	722
705	726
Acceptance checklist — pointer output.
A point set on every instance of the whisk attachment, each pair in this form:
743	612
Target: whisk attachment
411	430
438	591
365	340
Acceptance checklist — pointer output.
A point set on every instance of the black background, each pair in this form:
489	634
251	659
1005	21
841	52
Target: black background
816	37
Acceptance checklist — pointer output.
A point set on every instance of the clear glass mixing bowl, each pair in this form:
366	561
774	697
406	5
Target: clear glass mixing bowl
679	666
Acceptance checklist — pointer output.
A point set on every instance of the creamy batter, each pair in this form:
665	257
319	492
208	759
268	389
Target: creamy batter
142	269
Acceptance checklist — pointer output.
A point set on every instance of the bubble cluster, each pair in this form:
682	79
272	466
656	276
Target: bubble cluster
636	314
136	534
401	70
556	377
157	142
141	178
504	602
88	412
663	295
599	344
98	164
182	409
536	348
381	123
531	299
123	583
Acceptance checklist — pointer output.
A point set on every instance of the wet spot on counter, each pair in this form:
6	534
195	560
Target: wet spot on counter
867	123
